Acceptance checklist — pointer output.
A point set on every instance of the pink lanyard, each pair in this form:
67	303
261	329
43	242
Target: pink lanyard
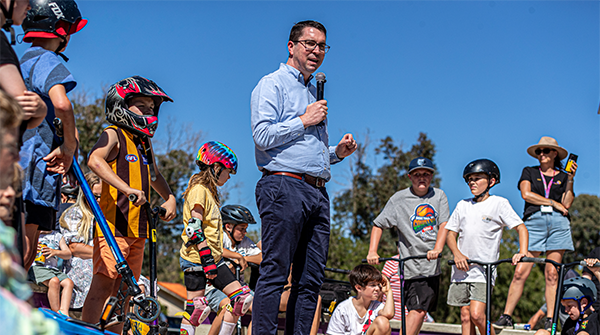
546	186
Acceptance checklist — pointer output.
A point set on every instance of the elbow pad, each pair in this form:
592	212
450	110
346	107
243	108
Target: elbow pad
208	261
194	232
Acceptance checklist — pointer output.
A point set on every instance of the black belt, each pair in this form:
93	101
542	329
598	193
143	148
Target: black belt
314	181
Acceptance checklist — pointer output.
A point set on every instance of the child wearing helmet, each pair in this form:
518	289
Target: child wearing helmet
578	295
239	248
47	26
477	222
123	158
202	249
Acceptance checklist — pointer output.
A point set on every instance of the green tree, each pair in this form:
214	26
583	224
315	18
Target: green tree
585	217
356	207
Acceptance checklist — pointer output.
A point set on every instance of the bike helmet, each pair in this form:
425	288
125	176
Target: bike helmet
482	166
118	113
70	191
216	152
236	214
52	19
578	288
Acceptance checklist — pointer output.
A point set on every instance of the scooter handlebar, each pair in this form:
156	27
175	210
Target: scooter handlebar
383	259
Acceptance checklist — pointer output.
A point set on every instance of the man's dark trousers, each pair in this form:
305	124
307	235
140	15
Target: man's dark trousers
295	229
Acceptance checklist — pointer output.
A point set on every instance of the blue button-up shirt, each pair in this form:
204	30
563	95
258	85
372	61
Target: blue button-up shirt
281	142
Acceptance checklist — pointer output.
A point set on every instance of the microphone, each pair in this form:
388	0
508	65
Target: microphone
320	77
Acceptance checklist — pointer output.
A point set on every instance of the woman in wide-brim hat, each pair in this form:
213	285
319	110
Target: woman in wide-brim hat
548	194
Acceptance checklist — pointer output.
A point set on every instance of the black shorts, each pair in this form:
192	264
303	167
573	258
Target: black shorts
44	217
422	293
196	280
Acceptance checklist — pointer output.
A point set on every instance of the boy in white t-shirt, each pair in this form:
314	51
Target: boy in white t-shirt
364	314
478	224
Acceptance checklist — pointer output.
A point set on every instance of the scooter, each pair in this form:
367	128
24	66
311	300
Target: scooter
146	308
401	275
131	321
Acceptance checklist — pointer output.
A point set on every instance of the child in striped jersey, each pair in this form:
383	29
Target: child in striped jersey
202	248
123	159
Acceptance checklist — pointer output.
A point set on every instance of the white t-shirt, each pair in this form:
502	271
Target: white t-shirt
346	321
244	248
479	226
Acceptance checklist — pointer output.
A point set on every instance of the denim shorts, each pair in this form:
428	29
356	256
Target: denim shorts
549	231
215	296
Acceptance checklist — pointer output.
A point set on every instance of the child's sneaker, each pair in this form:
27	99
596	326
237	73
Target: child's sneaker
505	321
201	311
242	302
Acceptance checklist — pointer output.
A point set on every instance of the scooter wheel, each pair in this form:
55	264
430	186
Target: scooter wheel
148	314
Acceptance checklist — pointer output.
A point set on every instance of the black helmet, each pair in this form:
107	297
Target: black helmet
578	288
482	166
52	18
118	113
236	214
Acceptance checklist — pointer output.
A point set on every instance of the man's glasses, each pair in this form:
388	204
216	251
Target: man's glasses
310	45
546	151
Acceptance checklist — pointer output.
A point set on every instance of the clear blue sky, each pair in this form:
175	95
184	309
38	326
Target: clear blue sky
481	78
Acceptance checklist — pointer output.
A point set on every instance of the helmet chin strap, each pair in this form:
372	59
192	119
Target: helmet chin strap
9	21
482	194
61	46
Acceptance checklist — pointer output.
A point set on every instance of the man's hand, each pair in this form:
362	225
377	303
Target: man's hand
315	113
32	105
433	254
346	146
461	262
373	258
60	159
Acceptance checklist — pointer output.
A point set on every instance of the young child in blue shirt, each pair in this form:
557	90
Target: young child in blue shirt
44	158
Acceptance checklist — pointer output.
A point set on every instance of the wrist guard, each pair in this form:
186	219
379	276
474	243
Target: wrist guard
208	261
194	232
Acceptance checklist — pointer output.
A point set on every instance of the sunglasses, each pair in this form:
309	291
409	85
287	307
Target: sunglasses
546	151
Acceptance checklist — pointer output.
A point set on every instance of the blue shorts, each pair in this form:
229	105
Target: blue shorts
549	231
214	298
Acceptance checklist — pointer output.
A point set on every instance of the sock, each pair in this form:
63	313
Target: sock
189	306
227	328
187	330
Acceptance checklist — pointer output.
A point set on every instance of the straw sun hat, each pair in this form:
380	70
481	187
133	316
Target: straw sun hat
548	142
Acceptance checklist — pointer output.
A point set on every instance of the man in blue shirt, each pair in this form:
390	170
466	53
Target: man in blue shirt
289	128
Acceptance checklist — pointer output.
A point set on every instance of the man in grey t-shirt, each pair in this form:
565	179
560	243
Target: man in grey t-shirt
419	212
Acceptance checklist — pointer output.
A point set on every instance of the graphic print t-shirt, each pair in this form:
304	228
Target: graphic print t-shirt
417	219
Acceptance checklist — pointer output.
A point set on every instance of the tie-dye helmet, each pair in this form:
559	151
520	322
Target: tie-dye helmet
216	152
118	113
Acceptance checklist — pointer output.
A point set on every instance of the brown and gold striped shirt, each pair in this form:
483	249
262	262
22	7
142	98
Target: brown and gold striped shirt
131	165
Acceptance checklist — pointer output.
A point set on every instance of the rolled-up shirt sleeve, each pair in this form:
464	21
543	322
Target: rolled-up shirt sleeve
268	129
333	157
